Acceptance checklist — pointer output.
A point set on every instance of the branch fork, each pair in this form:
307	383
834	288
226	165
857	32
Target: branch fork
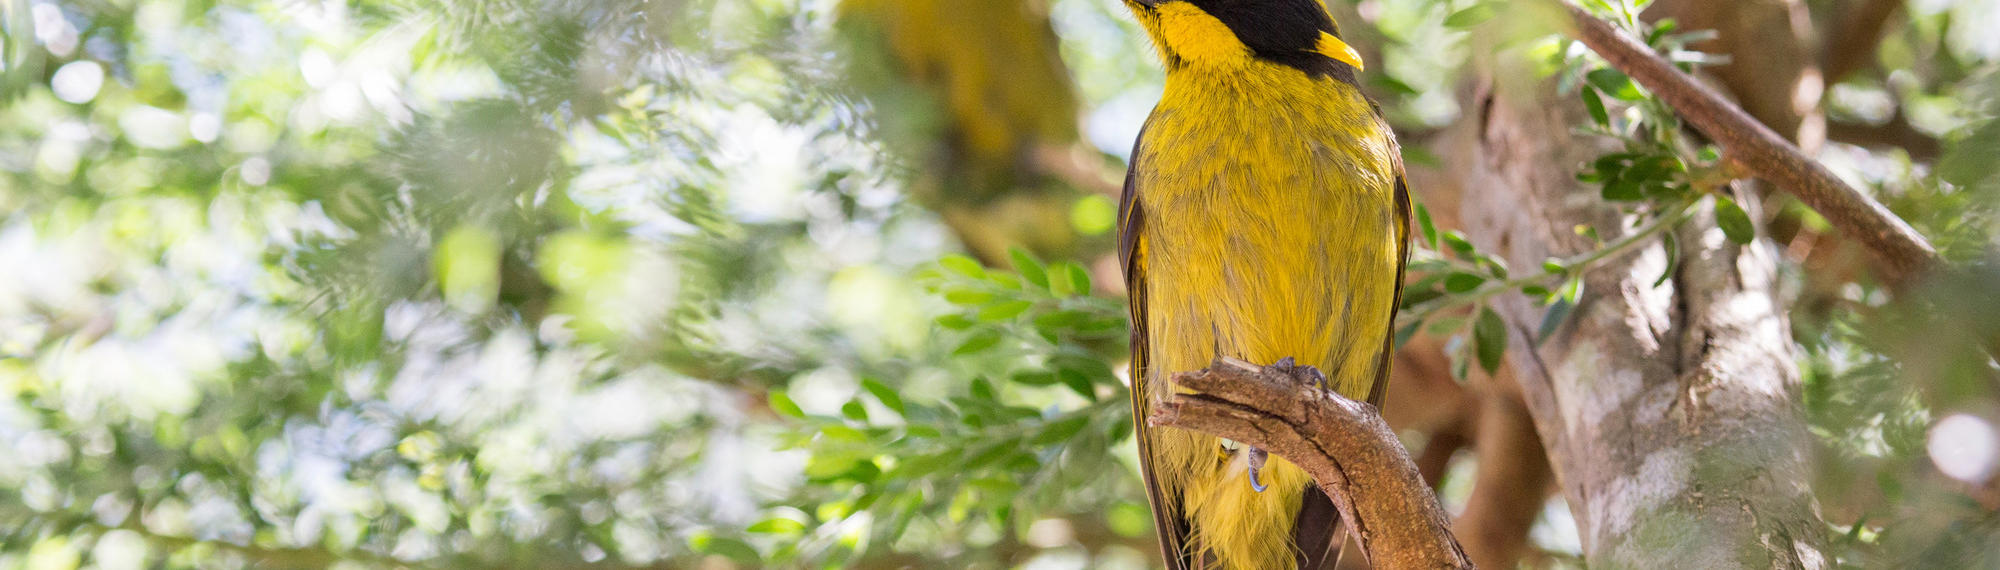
1344	444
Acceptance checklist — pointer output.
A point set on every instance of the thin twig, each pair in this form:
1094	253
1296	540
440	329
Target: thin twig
1579	263
1905	255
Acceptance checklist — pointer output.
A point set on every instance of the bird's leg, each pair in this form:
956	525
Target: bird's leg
1257	455
1311	376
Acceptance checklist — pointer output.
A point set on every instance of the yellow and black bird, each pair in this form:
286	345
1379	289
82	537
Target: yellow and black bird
1264	217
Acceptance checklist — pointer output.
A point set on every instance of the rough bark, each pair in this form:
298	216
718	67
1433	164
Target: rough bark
1669	413
1344	444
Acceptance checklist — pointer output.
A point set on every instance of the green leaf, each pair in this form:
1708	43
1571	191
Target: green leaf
1552	319
1079	278
983	390
1614	83
1463	282
1661	29
1392	85
1054	321
963	265
1709	154
1424	222
854	410
1035	378
776	525
1472	16
1553	265
843	433
999	312
1574	290
1734	222
1595	104
727	547
990	453
1120	429
979	341
956	322
883	393
1031	269
918	466
1407	332
967	296
1061	430
783	404
1623	190
1004	280
1494	266
1458	244
1489	335
1077	382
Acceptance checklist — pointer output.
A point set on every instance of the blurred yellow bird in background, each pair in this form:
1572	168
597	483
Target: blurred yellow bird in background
1264	216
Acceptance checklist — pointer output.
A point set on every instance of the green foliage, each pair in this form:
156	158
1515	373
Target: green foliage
599	282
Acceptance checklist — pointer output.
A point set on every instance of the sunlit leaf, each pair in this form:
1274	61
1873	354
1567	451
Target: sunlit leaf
1489	339
1734	222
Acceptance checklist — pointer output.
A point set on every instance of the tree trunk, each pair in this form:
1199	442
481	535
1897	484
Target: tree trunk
1669	413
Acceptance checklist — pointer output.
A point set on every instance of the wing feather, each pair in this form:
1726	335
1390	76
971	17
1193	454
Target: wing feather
1381	386
1172	530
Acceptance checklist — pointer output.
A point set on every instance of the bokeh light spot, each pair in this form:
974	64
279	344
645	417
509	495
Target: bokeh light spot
1964	447
78	81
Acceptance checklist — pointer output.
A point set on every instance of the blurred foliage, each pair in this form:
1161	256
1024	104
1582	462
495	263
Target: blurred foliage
577	283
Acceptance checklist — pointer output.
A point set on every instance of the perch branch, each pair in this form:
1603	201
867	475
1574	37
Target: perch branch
1905	255
1344	444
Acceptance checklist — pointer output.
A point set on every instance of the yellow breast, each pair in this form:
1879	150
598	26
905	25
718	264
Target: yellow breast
1270	232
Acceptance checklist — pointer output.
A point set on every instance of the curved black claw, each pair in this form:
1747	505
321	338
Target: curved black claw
1257	456
1315	377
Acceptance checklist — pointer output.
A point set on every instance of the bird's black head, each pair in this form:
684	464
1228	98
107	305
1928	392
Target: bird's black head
1231	33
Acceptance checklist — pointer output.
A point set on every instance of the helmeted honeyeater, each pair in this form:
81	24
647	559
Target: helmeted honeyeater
1264	216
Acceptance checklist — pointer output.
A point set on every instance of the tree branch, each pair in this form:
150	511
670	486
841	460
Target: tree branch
1905	254
1344	444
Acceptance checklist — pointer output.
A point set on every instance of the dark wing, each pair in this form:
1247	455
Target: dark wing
1402	262
1172	529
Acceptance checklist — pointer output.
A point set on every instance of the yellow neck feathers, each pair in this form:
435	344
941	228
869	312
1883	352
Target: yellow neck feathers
1197	38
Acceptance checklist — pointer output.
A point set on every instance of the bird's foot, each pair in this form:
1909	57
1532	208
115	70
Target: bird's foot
1257	455
1309	375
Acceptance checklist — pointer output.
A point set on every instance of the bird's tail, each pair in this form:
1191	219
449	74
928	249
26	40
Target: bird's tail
1318	531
